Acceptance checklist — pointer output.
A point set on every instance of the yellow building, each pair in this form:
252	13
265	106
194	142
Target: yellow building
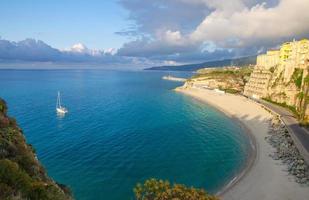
294	52
285	52
290	54
293	55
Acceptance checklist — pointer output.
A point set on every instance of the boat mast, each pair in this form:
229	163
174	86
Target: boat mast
58	101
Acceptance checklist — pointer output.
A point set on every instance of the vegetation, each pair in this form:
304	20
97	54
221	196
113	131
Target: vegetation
291	108
275	83
21	175
272	69
297	77
302	87
231	91
154	189
303	100
241	72
304	124
228	79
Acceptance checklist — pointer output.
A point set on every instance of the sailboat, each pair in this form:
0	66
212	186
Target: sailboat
60	109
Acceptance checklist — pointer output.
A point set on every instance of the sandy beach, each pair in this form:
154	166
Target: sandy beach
263	178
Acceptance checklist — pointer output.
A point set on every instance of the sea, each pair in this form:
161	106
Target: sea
122	128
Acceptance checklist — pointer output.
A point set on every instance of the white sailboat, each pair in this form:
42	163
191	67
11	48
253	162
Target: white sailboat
60	109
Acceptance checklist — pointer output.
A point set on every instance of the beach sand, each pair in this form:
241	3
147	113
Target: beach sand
263	178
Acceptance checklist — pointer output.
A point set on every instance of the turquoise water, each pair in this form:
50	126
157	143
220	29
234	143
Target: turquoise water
122	128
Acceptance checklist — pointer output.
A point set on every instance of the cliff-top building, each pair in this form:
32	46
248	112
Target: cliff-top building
279	74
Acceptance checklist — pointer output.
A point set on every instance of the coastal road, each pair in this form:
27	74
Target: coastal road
299	134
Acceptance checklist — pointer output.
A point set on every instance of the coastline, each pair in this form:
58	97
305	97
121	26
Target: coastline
261	177
252	155
173	78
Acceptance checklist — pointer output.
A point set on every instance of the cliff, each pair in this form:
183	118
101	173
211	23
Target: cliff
281	76
21	174
228	79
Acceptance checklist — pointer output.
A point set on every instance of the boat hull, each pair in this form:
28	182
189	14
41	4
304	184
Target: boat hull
61	110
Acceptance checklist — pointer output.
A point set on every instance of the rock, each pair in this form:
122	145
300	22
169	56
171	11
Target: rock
286	151
303	180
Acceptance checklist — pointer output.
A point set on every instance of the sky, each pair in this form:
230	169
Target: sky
144	33
62	23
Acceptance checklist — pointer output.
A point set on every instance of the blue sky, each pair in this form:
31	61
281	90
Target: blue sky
62	23
141	33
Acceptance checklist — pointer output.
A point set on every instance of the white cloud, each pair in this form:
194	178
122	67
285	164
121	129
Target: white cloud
36	51
111	51
173	37
252	25
171	62
165	31
80	48
231	5
237	27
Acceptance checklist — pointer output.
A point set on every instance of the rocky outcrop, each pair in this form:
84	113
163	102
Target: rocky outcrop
286	151
21	174
228	79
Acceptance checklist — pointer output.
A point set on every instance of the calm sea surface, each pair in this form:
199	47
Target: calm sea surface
122	128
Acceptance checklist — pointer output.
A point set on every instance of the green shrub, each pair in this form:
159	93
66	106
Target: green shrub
232	91
13	176
5	191
154	189
291	108
38	191
21	175
3	107
297	77
272	69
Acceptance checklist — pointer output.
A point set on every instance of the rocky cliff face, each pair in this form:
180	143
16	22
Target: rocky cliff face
229	79
288	89
21	174
285	91
291	90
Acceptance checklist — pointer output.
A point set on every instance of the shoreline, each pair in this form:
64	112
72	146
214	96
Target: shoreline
250	160
261	177
252	155
173	78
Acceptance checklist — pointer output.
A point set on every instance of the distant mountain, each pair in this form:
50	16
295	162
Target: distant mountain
217	63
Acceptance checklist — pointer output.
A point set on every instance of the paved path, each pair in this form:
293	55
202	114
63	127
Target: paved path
299	134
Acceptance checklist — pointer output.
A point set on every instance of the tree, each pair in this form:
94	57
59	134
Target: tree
154	189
